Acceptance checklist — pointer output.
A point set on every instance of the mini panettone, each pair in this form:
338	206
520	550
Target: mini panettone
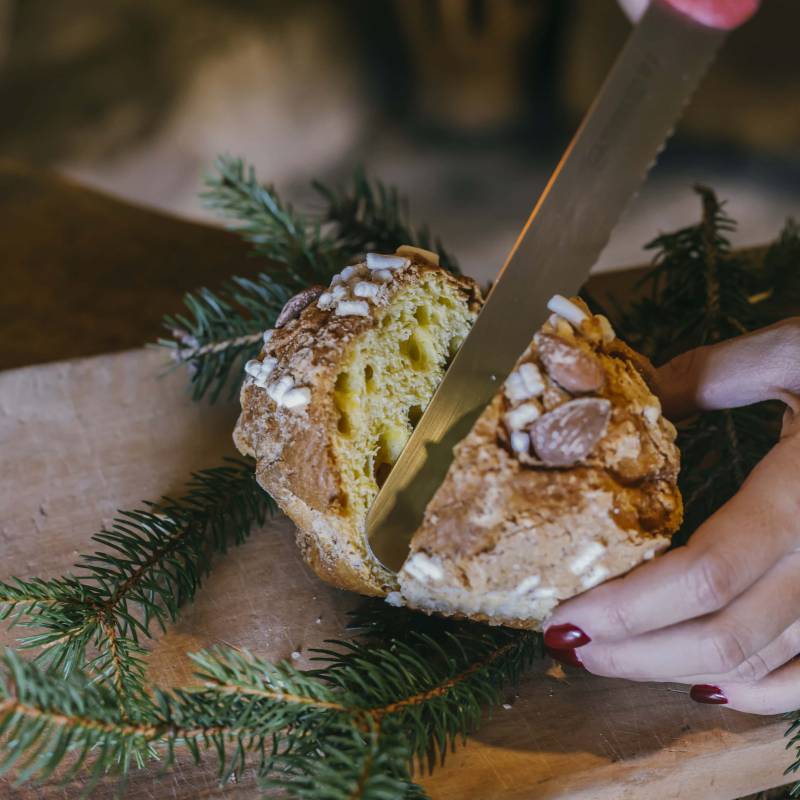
568	477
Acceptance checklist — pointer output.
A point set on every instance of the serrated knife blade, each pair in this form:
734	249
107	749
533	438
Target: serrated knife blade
603	166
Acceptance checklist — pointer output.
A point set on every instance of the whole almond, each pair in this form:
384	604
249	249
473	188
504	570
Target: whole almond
571	367
295	305
567	434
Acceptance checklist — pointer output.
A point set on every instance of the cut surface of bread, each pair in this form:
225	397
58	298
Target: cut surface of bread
567	479
333	397
387	377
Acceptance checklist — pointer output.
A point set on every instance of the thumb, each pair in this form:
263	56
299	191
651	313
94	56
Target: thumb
763	365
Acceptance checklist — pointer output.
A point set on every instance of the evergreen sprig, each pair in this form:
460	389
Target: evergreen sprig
222	329
151	561
273	227
372	216
698	292
351	729
48	721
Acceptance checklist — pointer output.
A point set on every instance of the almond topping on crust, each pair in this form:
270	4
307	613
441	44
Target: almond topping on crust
567	434
425	255
574	369
297	304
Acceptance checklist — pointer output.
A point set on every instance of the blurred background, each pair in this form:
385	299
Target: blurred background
464	104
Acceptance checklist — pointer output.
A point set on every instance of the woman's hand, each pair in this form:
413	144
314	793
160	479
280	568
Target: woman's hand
721	613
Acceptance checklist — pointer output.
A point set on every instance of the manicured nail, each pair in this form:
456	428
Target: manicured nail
565	637
568	657
703	693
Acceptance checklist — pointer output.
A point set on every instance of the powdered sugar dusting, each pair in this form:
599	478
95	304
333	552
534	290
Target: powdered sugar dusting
594	576
423	568
395	599
525	585
583	560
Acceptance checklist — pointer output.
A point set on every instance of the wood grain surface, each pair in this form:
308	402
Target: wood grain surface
84	273
80	439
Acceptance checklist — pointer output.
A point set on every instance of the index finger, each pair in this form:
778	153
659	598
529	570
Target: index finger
727	554
737	372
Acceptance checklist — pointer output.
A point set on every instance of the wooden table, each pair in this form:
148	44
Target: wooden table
85	437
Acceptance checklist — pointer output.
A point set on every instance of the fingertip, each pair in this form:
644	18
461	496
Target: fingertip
565	636
708	694
723	15
676	385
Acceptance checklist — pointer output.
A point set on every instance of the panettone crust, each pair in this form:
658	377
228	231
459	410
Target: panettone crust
505	539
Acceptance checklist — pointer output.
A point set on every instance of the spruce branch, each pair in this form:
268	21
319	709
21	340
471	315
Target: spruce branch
699	292
151	562
221	329
259	215
351	729
46	717
372	216
780	266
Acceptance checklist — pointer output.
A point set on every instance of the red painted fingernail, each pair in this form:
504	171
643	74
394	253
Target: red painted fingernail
703	693
568	657
565	637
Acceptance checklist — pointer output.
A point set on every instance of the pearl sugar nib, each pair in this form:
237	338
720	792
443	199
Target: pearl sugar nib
566	309
379	261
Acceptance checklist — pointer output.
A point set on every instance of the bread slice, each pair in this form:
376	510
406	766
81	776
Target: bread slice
332	399
568	478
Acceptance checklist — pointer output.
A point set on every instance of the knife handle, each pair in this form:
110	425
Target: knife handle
724	15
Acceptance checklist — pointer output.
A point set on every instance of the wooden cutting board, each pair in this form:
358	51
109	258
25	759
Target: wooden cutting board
80	439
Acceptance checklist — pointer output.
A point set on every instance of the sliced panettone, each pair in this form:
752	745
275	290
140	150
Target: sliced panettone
332	399
567	479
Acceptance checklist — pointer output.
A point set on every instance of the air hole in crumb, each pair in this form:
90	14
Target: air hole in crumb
343	425
411	350
342	382
382	471
445	301
367	468
414	415
368	375
422	316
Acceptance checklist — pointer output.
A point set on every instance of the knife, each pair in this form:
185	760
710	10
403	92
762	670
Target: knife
603	166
